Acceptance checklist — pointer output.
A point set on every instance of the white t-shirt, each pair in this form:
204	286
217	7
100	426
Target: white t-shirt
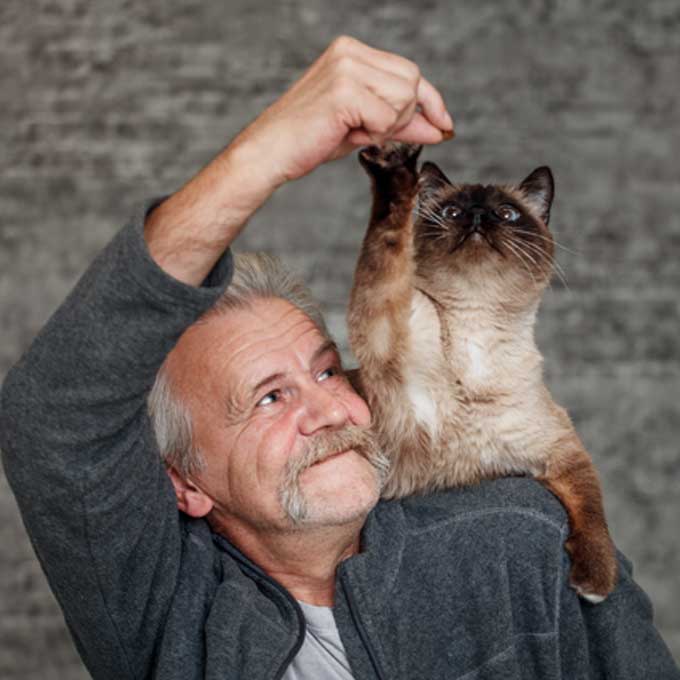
322	655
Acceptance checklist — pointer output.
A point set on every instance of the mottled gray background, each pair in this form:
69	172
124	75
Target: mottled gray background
106	103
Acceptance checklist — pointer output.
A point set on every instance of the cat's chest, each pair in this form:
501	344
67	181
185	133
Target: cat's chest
435	387
461	373
462	354
471	360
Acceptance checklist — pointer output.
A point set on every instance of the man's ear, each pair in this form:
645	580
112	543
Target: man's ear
190	499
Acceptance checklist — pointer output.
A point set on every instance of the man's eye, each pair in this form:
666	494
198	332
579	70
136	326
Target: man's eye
269	398
328	373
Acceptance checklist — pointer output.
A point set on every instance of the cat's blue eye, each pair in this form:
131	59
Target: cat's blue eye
451	212
507	213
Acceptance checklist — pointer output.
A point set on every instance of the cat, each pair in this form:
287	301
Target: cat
441	320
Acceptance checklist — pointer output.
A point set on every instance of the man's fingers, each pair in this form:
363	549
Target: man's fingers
359	137
397	91
433	106
386	61
420	131
405	116
428	96
376	116
388	103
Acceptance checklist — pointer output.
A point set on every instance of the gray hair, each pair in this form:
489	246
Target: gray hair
256	276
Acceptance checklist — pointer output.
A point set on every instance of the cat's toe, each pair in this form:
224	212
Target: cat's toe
593	573
593	598
589	591
390	156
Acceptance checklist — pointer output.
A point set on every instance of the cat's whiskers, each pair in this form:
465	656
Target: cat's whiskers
431	217
545	238
436	234
518	244
433	229
540	253
431	197
508	243
538	248
438	226
551	259
429	214
543	255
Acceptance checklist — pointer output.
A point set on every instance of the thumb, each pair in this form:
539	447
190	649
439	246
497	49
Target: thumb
354	139
419	130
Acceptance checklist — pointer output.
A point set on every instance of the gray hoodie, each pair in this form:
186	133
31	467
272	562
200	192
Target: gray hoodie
470	583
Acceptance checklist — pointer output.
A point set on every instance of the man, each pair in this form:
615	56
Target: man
281	564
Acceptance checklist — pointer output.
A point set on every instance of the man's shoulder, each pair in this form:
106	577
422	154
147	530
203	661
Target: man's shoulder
471	546
509	500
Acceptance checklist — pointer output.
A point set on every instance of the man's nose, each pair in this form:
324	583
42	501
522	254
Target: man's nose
322	409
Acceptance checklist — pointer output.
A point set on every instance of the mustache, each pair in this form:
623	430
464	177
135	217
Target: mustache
322	446
326	444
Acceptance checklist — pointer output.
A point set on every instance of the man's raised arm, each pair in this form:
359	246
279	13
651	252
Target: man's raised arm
77	444
352	95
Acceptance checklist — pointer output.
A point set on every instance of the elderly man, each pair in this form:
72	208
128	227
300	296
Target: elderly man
282	563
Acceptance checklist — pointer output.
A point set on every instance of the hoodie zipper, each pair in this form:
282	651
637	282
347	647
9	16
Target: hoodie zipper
252	567
302	630
354	612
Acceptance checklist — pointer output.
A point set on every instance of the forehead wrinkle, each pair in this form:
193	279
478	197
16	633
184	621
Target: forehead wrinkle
283	338
221	348
244	379
203	361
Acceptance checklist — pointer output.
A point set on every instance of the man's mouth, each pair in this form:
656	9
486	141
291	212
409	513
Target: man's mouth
329	457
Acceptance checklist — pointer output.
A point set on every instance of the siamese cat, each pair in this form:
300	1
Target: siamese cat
441	320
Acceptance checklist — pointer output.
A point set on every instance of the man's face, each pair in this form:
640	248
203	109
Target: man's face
262	385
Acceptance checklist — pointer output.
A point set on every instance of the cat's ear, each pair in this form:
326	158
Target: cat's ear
539	190
431	179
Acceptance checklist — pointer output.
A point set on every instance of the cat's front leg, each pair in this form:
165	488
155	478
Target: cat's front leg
380	301
572	477
382	304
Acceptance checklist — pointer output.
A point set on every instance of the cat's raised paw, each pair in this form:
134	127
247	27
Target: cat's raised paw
390	156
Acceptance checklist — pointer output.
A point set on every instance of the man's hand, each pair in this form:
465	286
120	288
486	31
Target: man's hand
352	95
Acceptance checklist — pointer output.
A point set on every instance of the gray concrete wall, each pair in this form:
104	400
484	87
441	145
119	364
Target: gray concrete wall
106	103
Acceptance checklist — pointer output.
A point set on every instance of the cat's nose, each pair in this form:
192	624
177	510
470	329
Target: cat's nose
477	213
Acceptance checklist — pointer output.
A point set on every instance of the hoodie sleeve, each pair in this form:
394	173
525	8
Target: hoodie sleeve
81	458
616	638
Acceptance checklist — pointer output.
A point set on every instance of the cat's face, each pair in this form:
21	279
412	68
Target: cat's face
495	232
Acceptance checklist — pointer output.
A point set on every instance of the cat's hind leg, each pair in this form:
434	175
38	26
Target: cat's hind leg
572	477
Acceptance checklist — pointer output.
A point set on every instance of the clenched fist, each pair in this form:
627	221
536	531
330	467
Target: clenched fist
352	95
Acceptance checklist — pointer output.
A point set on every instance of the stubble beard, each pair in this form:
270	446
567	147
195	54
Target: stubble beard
296	506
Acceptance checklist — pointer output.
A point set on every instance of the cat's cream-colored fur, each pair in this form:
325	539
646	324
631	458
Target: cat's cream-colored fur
443	329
